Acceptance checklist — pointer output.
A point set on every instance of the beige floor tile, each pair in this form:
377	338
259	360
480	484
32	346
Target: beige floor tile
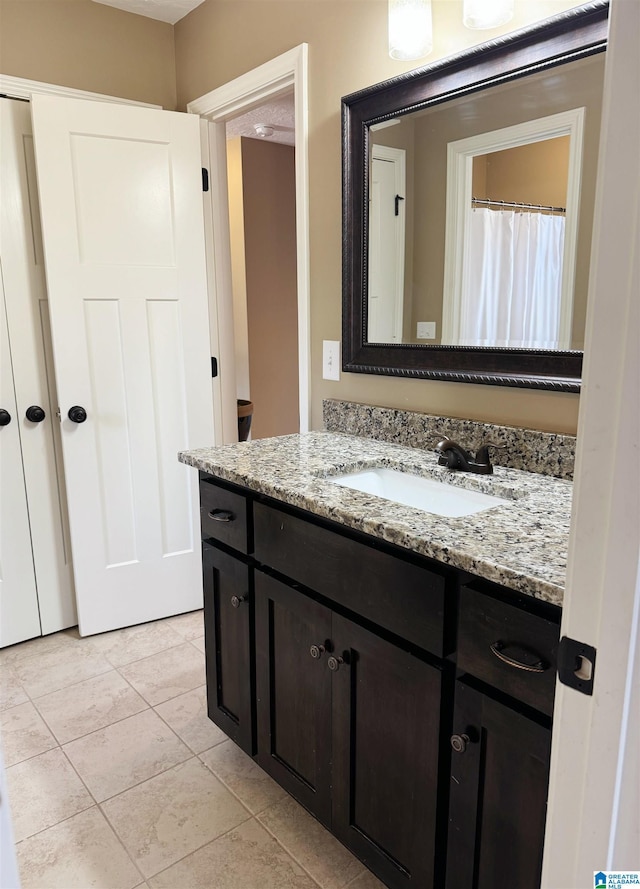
366	880
59	668
187	716
42	791
239	772
190	625
134	643
80	852
199	643
167	674
38	646
172	815
327	860
126	753
90	705
245	858
24	734
11	691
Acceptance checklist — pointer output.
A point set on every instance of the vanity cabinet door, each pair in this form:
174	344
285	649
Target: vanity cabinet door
227	622
386	731
293	686
499	781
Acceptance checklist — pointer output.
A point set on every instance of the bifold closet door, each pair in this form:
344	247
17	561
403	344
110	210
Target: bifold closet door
121	204
34	381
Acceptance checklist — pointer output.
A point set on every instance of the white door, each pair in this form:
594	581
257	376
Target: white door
19	618
30	338
120	197
386	245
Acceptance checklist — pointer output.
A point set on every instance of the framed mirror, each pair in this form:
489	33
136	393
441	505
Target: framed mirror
468	195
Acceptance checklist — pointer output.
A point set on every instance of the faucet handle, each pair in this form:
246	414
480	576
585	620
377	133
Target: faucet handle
482	454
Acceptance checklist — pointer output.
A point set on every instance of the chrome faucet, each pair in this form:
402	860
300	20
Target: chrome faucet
454	456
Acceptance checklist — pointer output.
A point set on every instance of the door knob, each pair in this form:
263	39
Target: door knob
237	601
77	414
5	417
459	743
316	651
35	414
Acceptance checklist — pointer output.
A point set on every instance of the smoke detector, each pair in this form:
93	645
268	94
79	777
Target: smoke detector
263	130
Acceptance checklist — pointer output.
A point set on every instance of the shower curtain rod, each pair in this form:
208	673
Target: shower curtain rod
519	204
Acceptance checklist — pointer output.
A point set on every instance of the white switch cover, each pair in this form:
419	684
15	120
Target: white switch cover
330	360
426	330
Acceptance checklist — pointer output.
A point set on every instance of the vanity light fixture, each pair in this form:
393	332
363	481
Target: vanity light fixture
481	14
410	29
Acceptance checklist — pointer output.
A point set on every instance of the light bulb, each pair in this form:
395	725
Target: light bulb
410	29
481	14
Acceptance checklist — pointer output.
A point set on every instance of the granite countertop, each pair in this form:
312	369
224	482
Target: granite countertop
522	544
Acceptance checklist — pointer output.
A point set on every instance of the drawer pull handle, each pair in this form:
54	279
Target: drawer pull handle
537	666
334	663
316	651
221	515
459	743
237	601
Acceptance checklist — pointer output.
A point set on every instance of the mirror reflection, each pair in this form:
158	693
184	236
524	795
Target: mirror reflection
510	268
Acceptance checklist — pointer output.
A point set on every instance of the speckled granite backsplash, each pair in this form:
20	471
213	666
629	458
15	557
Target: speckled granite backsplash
549	453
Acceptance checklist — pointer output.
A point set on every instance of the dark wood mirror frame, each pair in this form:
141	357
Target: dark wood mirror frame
576	34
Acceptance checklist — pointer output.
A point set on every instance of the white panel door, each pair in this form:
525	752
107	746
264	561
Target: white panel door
19	618
28	318
120	197
386	246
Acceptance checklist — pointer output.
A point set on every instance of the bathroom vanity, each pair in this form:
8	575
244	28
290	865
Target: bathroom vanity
392	669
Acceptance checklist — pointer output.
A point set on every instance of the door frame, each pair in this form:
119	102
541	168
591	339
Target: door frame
19	88
460	155
275	77
593	821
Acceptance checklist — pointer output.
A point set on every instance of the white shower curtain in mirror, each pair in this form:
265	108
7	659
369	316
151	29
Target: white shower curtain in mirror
512	280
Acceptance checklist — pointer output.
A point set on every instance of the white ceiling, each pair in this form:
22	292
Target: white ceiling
170	11
278	113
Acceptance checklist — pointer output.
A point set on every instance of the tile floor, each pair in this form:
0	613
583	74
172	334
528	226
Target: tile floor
117	779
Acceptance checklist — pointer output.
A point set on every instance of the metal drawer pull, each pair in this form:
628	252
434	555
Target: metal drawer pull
221	515
237	601
459	743
316	651
334	663
537	666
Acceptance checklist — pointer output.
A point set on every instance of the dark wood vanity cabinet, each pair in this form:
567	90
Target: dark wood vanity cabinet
227	634
349	724
405	707
499	781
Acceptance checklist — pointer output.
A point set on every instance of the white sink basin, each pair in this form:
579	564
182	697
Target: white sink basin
421	493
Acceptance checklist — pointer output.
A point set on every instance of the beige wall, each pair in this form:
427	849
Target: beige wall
347	40
88	46
268	255
535	173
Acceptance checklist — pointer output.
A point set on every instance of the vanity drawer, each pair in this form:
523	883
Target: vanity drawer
492	633
223	516
405	598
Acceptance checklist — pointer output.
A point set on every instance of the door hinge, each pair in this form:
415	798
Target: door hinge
205	179
576	665
214	367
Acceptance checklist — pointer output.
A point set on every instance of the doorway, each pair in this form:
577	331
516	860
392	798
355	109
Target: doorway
283	75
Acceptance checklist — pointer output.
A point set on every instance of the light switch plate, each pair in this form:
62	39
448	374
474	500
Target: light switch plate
426	330
330	360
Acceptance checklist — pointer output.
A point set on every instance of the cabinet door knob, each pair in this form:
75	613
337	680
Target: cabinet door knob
221	515
316	651
77	414
237	601
5	417
35	414
334	663
459	743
